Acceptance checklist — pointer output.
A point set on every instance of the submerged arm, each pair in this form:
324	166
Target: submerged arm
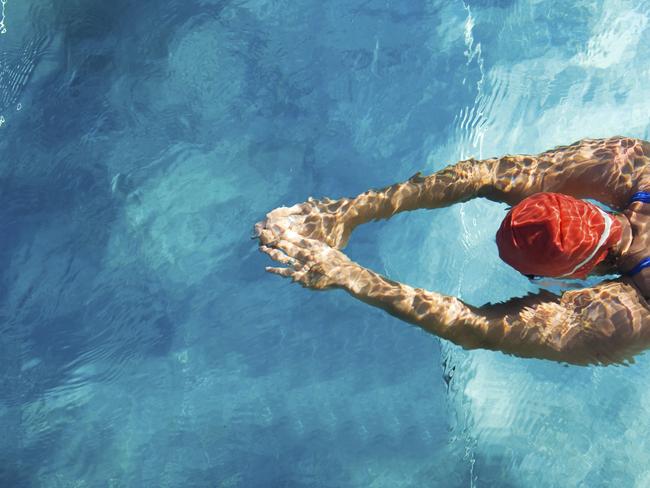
602	169
605	324
608	170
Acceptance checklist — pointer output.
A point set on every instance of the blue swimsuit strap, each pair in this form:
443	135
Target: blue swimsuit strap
641	196
644	263
644	197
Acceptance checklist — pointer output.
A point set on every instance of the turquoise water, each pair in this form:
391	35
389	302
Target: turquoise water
141	342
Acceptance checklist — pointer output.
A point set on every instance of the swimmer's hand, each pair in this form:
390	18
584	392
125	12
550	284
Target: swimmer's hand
325	220
309	262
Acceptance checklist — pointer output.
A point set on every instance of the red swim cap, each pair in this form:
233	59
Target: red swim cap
550	234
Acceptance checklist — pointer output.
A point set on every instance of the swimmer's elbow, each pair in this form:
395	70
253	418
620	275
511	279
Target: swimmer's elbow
553	332
537	327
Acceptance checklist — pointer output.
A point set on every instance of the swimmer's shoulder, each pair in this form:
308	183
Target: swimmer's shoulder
614	321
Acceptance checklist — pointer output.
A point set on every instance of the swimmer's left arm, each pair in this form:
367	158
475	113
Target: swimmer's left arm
608	170
605	324
332	221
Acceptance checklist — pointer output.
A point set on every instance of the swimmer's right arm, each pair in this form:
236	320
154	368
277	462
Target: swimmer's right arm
608	323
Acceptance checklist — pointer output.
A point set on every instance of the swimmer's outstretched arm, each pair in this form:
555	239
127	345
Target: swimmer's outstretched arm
608	170
605	324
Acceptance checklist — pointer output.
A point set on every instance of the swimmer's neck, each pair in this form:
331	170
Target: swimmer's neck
622	247
619	251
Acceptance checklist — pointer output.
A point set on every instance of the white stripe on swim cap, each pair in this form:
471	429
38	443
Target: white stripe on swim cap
603	238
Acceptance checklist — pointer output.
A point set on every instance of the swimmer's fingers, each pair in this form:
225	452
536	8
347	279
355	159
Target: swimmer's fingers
281	257
276	255
311	263
283	217
296	247
294	266
267	230
267	237
308	250
257	229
273	218
286	272
290	216
323	220
270	235
286	211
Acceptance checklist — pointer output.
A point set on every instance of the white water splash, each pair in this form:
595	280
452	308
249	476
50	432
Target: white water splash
473	48
470	120
3	27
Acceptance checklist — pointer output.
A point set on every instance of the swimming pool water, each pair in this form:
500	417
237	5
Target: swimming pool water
141	342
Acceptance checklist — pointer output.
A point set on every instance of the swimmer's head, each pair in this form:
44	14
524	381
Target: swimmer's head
550	234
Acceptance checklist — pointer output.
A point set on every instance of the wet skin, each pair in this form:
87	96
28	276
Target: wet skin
608	323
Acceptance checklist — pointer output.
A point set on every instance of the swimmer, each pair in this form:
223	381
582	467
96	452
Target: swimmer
549	231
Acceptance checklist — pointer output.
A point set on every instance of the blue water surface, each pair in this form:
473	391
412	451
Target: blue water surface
141	342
